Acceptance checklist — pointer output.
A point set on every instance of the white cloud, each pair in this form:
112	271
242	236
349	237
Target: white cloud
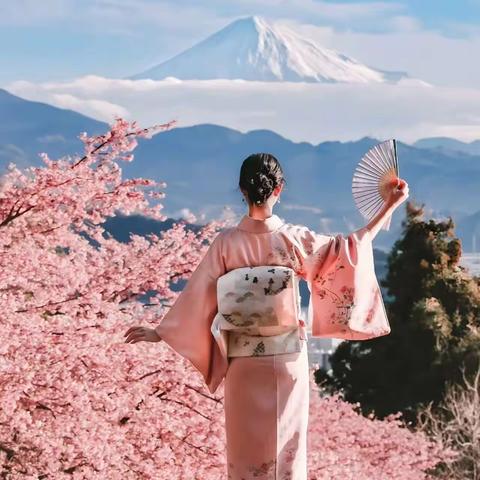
57	138
185	214
230	216
403	23
306	208
299	111
89	102
350	226
325	225
96	108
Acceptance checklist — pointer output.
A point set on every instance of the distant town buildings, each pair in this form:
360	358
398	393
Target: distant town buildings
471	261
319	349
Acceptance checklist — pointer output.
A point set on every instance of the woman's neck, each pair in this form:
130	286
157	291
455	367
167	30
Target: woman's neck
260	213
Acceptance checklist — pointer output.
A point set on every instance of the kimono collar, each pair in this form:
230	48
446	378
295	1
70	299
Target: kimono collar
254	225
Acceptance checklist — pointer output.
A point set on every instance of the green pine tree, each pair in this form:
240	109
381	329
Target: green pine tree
434	314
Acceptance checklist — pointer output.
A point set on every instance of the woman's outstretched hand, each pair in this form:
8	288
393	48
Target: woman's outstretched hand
138	334
398	194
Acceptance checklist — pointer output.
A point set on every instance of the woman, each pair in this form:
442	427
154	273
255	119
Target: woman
267	394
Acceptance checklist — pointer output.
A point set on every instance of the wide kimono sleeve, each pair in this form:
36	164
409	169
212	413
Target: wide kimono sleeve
186	325
345	298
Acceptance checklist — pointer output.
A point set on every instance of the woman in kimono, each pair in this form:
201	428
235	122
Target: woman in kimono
266	372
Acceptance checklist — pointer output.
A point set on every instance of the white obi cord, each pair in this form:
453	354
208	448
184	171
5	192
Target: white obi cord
259	312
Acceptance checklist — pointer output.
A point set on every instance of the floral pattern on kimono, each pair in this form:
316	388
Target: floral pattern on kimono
346	301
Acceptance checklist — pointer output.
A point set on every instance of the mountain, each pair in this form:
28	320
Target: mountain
318	189
449	145
253	49
201	165
27	128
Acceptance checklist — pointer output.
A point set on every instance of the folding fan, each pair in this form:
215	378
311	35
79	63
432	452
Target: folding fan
374	177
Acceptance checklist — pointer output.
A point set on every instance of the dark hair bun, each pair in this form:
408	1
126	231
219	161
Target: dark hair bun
261	188
259	175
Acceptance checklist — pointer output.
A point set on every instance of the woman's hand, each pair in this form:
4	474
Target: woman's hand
398	194
138	334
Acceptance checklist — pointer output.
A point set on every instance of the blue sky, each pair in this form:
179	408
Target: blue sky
64	39
439	14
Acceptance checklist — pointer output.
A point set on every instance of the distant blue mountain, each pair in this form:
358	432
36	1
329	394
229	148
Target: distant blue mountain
449	145
201	165
28	128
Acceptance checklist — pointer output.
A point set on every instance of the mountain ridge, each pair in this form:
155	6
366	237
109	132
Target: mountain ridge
452	145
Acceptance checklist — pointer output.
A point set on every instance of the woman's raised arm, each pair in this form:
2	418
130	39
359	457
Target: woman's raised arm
397	196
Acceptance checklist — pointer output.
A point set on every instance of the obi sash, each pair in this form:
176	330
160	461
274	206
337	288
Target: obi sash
258	312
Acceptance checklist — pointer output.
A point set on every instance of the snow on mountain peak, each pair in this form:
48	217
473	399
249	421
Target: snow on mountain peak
252	48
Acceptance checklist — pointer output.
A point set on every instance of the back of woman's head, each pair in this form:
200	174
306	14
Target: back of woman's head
260	173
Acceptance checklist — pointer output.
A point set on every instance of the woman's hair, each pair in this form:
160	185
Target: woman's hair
259	175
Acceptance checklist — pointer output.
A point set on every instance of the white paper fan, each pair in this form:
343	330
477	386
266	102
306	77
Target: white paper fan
373	177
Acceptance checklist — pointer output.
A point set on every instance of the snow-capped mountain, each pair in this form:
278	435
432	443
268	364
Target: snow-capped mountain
253	49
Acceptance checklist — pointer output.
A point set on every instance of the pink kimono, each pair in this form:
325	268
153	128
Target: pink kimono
267	396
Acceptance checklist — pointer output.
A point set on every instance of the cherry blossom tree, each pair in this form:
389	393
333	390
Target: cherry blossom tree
76	401
70	388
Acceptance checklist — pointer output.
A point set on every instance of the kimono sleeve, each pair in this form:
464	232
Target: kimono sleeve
345	298
186	325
